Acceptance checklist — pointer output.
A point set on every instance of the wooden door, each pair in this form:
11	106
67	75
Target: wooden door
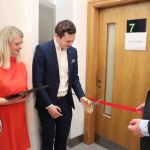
130	73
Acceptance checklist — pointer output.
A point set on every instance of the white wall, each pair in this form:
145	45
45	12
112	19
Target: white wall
64	9
75	10
24	15
80	20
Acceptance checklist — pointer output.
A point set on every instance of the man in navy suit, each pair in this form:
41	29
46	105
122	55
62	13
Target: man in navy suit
55	63
141	127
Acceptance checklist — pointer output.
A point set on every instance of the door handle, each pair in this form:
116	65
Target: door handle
98	80
98	83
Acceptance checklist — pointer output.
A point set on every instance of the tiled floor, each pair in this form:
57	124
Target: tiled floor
87	147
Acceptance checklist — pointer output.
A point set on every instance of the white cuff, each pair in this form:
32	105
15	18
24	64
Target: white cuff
49	106
82	98
144	127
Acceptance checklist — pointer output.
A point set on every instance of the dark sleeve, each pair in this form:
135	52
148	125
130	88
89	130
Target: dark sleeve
149	127
38	69
76	85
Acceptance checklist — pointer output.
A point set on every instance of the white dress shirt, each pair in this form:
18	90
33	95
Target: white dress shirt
144	127
63	69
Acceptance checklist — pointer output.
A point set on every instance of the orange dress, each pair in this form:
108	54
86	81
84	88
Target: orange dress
14	135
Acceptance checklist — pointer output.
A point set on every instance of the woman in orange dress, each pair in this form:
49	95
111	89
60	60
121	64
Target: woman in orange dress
13	79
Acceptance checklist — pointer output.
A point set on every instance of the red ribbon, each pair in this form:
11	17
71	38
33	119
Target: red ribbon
118	106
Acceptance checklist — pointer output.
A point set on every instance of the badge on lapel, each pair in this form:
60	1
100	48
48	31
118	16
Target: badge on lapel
73	61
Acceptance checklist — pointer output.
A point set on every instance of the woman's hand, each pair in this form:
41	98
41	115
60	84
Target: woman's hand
1	126
20	99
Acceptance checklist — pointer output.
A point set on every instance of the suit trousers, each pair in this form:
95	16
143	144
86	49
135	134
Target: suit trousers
55	131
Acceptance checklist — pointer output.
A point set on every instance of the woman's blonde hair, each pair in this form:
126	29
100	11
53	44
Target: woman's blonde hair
6	36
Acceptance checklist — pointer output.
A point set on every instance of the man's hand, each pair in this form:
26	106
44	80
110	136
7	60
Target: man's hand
134	126
54	111
87	104
141	106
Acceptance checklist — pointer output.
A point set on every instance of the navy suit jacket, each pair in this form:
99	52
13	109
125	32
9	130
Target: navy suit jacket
145	141
146	114
46	71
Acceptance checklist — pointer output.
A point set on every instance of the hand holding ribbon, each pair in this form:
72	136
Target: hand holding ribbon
87	104
118	106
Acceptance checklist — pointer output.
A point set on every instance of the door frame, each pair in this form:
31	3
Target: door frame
93	15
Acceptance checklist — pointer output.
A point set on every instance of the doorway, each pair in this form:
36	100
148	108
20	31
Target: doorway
114	73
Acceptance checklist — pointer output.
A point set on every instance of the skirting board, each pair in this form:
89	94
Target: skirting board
108	144
75	141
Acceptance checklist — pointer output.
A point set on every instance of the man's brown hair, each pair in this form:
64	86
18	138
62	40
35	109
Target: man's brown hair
65	26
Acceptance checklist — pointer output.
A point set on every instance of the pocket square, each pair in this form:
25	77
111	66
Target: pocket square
73	61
